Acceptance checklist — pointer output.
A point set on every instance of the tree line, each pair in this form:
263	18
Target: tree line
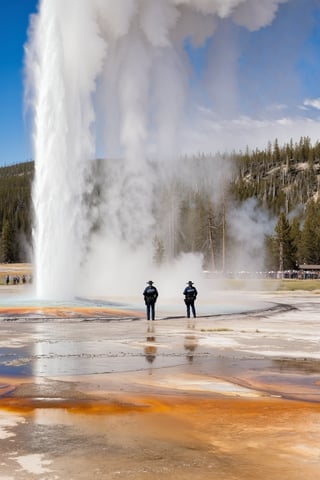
193	209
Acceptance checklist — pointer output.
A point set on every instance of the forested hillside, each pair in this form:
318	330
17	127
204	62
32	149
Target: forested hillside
285	181
195	214
282	178
15	212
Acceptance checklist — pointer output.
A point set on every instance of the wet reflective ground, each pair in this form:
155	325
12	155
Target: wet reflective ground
228	396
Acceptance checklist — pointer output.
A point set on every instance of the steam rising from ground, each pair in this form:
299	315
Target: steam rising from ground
248	225
111	77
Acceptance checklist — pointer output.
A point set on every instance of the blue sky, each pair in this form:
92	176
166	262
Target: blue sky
269	85
14	139
273	89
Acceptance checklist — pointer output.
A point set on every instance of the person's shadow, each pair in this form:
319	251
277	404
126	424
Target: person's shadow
150	350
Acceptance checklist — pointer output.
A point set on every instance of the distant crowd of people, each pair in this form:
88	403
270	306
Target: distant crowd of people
151	294
17	279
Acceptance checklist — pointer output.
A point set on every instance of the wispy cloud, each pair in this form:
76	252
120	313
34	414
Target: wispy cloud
277	107
207	133
312	102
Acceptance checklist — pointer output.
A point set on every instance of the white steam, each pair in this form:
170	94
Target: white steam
111	70
248	226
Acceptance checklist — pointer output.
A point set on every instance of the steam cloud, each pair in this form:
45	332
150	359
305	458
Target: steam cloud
111	70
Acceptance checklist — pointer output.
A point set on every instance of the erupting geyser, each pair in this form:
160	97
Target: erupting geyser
111	70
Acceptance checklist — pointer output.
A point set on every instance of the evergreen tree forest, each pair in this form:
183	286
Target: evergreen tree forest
286	182
15	212
198	204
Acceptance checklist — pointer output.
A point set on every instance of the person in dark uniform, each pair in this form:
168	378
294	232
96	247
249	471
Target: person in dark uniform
190	294
150	297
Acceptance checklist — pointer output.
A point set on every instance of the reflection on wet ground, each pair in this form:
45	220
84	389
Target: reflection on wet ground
55	349
234	396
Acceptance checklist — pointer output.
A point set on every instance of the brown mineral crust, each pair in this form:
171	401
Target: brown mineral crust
67	312
188	437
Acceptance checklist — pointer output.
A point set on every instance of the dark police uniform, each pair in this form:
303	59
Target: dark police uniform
150	297
190	294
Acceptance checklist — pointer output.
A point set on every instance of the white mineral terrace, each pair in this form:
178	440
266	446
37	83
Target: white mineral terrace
92	387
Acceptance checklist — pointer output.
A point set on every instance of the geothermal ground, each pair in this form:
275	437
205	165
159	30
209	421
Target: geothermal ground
93	390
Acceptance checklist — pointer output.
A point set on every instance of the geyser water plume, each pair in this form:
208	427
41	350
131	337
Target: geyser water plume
117	67
63	142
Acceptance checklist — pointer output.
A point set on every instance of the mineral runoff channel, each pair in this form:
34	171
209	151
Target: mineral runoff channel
105	394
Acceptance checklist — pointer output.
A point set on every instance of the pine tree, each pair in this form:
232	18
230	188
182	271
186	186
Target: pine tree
310	236
8	249
295	235
159	251
284	244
